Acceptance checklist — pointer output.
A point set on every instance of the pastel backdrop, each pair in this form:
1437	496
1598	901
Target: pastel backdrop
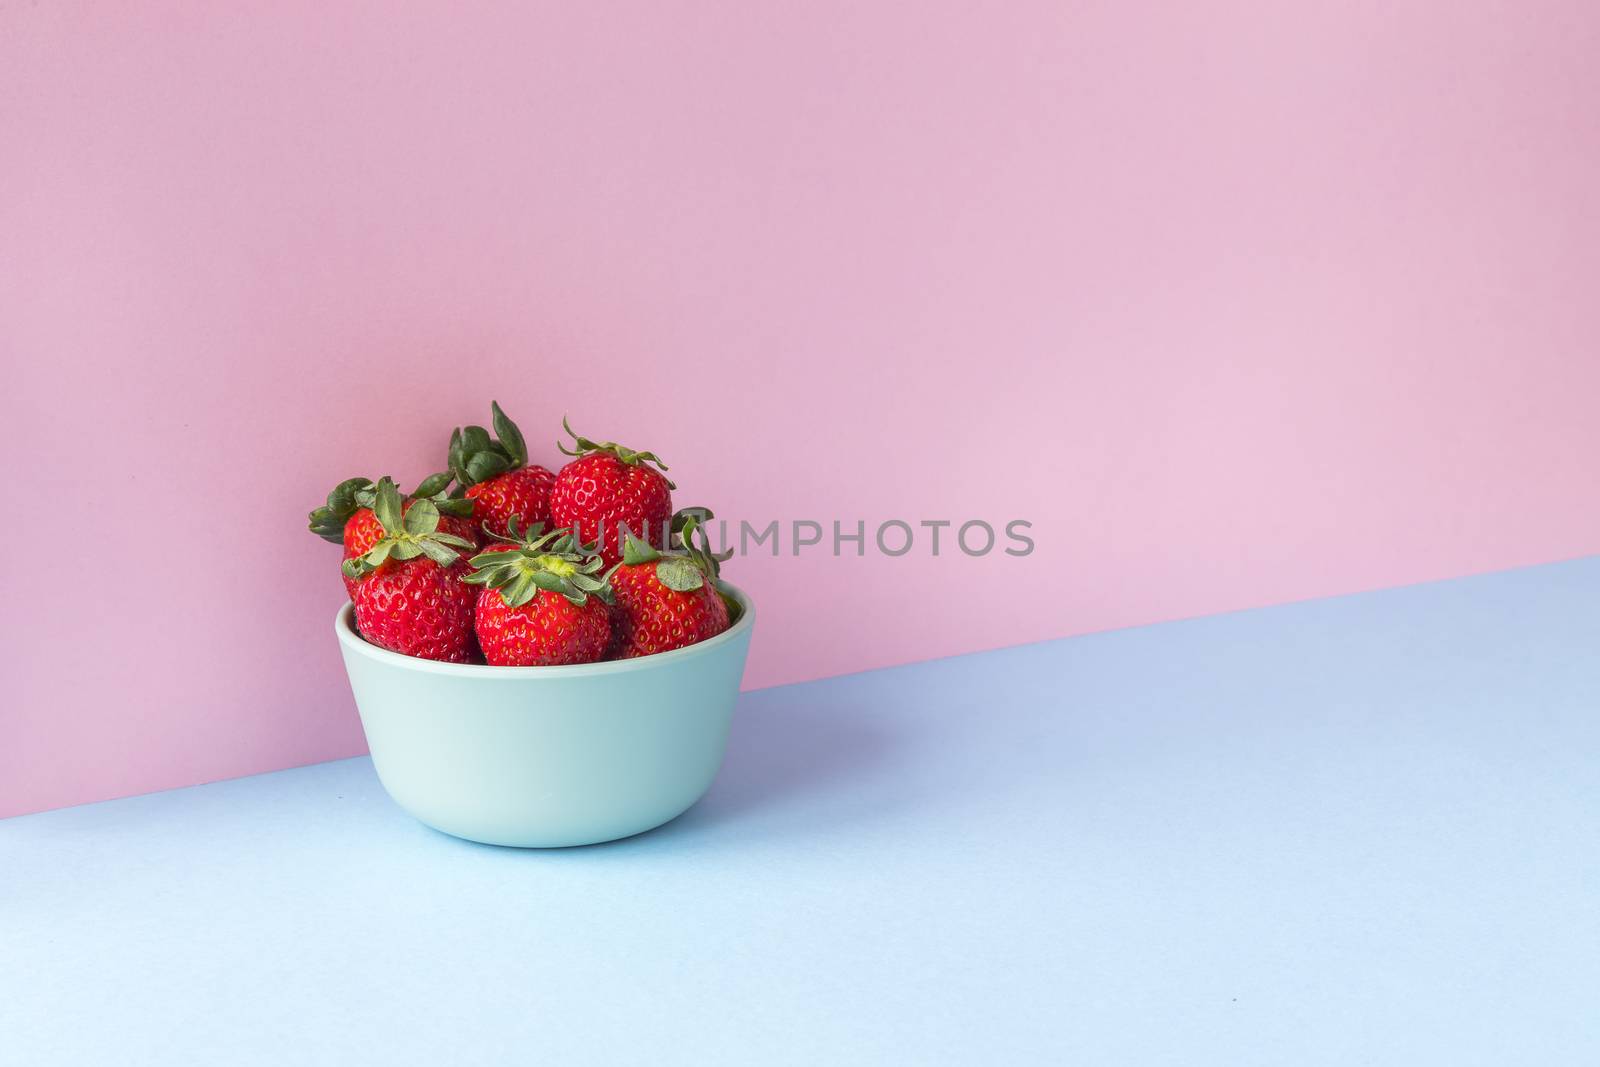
1235	303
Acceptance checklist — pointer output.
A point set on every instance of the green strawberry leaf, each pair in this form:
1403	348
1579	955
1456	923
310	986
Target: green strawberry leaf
422	517
343	495
684	516
520	591
679	574
433	484
386	505
457	459
510	437
437	552
635	551
328	521
485	465
326	524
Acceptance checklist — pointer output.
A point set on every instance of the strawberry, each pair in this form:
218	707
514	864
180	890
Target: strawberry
607	487
541	604
347	518
496	475
666	600
409	595
418	608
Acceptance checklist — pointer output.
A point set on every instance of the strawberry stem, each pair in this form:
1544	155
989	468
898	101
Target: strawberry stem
582	446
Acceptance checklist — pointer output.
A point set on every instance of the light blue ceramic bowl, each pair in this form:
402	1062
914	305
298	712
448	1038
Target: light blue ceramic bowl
540	757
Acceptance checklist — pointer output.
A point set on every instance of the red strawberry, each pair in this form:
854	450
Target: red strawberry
541	604
497	476
347	518
606	488
665	600
417	608
524	492
410	597
364	530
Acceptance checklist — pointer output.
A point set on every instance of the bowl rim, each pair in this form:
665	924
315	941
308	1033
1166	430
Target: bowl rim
344	626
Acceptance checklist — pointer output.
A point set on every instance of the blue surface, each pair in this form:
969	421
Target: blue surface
1354	831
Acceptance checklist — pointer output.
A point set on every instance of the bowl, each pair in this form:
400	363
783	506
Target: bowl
543	757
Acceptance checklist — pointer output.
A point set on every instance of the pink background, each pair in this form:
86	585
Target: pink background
1236	304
